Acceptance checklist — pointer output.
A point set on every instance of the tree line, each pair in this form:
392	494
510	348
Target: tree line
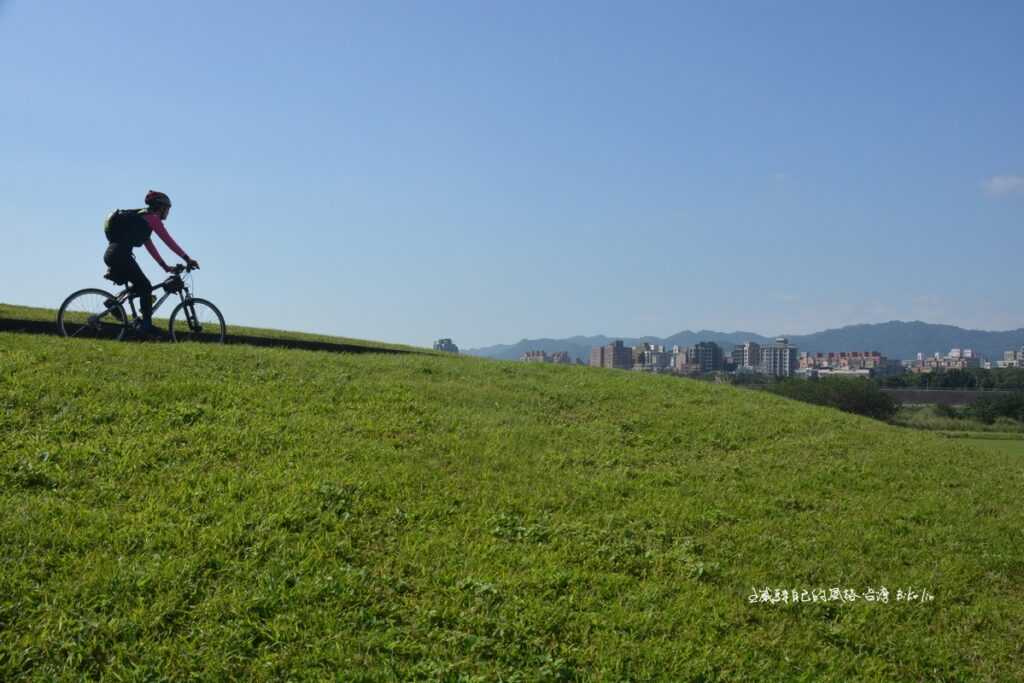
971	378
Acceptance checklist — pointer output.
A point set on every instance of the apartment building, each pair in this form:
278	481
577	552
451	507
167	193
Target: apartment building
866	363
651	358
558	357
702	357
779	359
615	355
446	345
708	355
956	359
1012	359
746	355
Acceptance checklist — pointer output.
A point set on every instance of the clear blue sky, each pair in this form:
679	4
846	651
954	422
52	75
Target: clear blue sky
489	171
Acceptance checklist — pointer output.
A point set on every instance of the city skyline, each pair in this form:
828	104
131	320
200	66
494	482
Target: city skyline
901	340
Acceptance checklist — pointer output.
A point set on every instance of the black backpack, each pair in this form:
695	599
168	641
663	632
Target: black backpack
127	226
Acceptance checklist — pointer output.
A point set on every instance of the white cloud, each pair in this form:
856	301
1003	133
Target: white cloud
1000	185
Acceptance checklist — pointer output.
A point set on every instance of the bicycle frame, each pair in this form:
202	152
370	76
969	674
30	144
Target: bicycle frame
129	296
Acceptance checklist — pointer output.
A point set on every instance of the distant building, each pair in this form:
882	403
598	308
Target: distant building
614	355
842	372
779	359
560	357
861	363
1012	359
445	345
956	359
651	358
708	355
701	358
747	355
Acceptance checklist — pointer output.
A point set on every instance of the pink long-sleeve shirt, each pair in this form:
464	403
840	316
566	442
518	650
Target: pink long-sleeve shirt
158	227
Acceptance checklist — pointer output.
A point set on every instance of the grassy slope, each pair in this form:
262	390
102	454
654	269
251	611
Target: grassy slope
169	511
1009	446
48	315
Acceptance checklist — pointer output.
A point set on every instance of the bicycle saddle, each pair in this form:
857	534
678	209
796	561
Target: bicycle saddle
116	280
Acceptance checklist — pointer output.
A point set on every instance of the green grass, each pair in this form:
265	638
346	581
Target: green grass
1013	447
174	512
44	314
925	417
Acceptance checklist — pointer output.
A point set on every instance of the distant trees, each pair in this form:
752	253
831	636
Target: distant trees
852	395
971	378
987	409
752	380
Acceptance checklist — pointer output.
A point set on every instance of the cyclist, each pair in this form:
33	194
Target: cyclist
126	230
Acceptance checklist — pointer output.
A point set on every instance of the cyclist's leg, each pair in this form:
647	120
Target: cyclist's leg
143	289
124	267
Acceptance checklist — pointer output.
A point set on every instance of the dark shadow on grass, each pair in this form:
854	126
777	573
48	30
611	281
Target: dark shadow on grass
45	327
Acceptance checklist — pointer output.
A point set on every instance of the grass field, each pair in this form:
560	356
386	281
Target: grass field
189	512
1014	447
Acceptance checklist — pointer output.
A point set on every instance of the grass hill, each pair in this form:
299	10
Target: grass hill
172	512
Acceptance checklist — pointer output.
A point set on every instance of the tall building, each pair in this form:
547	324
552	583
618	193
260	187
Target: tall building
779	359
698	359
614	355
751	355
708	355
845	360
446	345
560	357
1012	359
651	358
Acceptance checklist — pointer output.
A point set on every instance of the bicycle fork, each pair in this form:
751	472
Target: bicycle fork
190	317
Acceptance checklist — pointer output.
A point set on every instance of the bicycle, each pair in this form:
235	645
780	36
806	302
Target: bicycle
97	314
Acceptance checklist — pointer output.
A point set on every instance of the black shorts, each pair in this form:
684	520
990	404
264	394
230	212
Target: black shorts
124	267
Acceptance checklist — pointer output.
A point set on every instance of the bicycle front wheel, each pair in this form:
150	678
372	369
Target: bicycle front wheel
92	314
197	320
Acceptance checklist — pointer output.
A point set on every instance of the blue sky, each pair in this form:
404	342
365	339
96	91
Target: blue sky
406	171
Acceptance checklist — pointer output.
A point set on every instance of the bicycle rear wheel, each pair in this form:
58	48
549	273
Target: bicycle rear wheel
92	314
197	320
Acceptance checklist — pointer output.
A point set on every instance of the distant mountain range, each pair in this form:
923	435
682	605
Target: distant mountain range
895	339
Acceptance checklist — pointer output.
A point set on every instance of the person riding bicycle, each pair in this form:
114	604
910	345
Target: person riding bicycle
127	229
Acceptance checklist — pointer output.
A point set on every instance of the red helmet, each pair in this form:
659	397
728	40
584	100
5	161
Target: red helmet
156	199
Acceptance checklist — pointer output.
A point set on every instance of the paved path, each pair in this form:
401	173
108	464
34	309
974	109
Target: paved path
45	327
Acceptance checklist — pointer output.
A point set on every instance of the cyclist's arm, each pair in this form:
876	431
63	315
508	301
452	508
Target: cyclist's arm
151	248
159	229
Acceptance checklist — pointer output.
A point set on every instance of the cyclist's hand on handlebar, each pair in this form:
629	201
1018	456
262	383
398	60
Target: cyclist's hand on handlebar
193	264
168	269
